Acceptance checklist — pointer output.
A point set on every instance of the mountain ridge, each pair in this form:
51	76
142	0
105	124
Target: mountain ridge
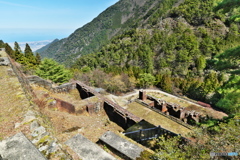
100	30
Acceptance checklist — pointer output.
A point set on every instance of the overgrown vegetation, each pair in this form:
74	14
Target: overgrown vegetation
221	138
26	58
32	64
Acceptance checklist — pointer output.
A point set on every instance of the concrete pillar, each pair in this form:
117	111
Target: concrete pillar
142	95
195	117
164	107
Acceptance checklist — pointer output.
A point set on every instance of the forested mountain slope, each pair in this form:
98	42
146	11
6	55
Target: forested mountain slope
91	36
43	49
188	46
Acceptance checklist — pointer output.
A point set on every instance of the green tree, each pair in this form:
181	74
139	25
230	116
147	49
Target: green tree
146	80
17	47
2	44
166	83
211	83
18	53
31	59
38	58
200	63
9	51
50	69
230	95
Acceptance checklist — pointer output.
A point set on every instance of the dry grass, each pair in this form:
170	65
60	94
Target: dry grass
13	103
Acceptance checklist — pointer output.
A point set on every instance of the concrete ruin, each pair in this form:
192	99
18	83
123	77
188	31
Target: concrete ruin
64	106
95	102
39	81
171	109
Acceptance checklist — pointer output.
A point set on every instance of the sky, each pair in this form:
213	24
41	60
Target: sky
37	20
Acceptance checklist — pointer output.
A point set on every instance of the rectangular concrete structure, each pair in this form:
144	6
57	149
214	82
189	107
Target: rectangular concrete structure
19	147
87	150
122	145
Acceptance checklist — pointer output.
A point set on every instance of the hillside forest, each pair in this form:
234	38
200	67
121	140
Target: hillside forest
192	50
187	48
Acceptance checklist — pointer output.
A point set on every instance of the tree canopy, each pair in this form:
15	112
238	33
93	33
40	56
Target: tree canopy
50	69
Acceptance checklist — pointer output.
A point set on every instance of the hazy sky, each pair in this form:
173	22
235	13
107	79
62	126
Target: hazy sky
36	20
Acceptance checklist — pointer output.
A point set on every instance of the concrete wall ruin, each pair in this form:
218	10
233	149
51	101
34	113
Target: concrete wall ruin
172	109
84	91
119	115
39	81
64	106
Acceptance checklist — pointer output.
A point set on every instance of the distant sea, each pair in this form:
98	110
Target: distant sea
30	35
35	45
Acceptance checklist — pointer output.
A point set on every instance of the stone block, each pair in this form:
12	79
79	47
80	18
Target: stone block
87	150
122	145
4	61
19	147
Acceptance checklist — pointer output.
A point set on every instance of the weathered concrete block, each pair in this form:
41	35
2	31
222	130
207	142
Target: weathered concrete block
4	61
19	147
87	150
39	81
122	145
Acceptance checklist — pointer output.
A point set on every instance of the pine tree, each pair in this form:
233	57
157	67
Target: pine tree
38	58
29	55
201	63
2	44
50	69
28	52
9	51
146	80
17	47
166	83
18	53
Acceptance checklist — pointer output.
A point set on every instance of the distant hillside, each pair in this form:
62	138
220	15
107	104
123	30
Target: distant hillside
44	48
114	20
